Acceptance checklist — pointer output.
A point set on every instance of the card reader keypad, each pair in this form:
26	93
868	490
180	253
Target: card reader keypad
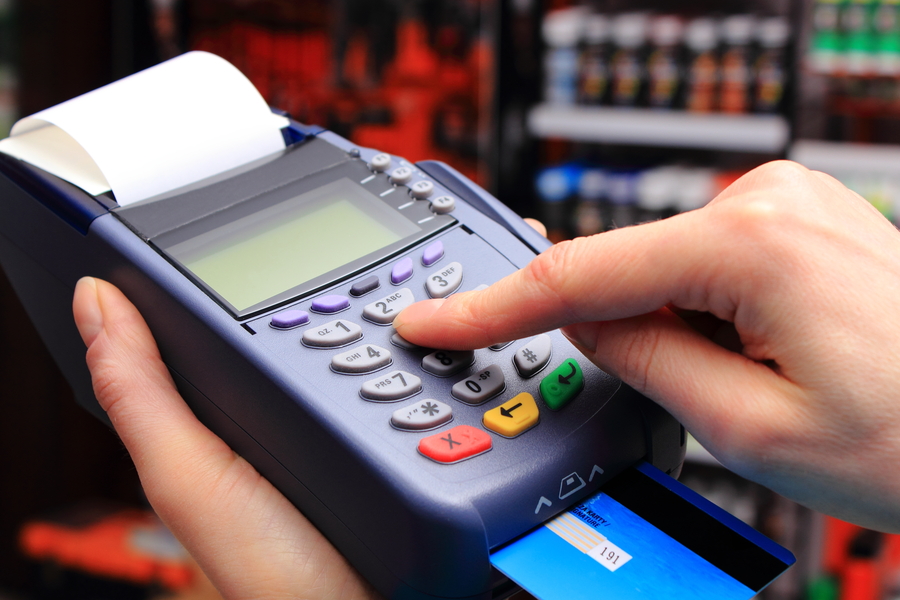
423	391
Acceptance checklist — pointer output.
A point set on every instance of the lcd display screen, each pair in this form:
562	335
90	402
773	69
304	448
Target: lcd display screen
254	258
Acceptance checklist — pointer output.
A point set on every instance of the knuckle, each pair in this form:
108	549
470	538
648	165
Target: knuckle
551	272
637	357
783	173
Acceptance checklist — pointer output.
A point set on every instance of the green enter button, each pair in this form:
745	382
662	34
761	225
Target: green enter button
563	384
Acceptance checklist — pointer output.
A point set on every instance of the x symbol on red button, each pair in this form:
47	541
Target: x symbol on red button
449	439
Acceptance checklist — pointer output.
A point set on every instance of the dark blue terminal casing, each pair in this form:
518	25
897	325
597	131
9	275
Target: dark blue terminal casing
414	527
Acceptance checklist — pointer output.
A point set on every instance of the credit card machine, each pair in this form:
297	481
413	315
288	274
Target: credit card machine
271	289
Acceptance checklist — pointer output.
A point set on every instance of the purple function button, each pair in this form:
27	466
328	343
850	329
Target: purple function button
402	271
433	253
331	304
289	318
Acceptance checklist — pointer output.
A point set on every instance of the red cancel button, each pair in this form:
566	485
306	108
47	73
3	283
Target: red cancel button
454	445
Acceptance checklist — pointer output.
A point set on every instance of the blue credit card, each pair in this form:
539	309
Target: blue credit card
643	537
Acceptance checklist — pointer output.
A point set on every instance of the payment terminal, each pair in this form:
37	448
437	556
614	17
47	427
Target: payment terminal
271	288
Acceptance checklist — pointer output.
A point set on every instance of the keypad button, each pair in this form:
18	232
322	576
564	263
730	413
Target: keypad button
380	162
433	253
513	417
443	204
384	310
395	385
454	445
445	363
500	346
332	334
444	282
480	387
401	175
422	415
289	319
364	286
401	342
422	189
362	359
330	304
533	356
402	271
562	384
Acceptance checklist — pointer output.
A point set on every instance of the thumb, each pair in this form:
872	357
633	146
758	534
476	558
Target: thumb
244	534
713	391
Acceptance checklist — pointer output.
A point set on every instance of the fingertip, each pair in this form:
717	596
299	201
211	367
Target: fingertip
86	310
415	316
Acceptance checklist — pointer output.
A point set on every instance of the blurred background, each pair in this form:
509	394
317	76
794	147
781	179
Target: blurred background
588	115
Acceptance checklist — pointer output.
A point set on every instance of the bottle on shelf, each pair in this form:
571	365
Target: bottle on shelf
561	31
736	79
555	189
770	70
629	35
887	38
857	24
590	216
702	70
664	63
593	80
826	48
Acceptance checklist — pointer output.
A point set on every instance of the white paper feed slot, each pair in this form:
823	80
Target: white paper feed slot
181	121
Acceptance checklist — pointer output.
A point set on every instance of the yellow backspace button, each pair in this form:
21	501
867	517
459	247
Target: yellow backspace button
513	416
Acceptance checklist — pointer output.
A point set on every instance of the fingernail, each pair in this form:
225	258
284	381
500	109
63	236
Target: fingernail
584	337
419	311
88	316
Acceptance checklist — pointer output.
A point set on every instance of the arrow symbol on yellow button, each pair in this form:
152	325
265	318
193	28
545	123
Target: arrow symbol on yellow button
507	412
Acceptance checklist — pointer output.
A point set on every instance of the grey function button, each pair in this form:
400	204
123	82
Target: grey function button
380	162
384	310
443	204
422	415
480	387
422	189
441	284
332	334
533	356
395	385
445	363
401	175
362	359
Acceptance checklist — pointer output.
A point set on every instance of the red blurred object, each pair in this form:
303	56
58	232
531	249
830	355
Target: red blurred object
429	97
129	545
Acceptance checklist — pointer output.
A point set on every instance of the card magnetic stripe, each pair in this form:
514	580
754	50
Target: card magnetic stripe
753	559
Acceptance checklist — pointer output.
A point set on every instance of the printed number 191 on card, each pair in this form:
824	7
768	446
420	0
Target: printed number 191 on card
609	555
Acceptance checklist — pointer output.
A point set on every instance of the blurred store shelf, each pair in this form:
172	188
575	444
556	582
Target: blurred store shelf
844	157
641	127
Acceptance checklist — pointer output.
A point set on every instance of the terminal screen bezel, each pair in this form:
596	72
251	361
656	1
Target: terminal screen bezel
397	203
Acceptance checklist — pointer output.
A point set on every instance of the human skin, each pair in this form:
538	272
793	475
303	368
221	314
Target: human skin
765	322
246	536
